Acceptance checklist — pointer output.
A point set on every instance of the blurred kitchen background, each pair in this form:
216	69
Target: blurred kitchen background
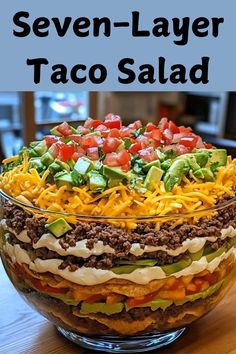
27	116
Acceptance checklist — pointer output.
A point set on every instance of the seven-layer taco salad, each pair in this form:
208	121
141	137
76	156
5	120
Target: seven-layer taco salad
114	229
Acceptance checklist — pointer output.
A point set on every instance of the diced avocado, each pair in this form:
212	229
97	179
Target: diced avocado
126	269
150	164
176	267
71	164
153	178
54	168
77	179
114	172
41	148
205	173
218	155
64	165
83	165
175	173
140	262
97	183
34	143
213	255
47	159
54	131
37	164
32	153
202	158
161	155
63	179
58	227
197	255
193	162
100	307
232	242
165	165
113	182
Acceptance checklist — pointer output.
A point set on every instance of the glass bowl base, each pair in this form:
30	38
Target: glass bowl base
112	344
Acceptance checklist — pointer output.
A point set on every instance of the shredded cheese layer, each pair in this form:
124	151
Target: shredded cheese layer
190	197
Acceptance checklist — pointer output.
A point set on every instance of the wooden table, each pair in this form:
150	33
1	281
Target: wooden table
23	331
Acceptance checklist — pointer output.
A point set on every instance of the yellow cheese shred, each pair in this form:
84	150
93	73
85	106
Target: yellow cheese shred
191	196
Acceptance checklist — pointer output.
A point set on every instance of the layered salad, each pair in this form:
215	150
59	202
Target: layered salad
110	229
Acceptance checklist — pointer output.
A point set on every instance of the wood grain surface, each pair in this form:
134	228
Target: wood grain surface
23	331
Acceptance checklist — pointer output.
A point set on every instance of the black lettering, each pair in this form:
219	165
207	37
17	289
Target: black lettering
203	69
59	75
80	24
98	22
127	71
199	24
18	22
181	30
74	74
136	32
41	23
161	27
101	76
37	63
147	74
161	70
178	74
62	28
216	21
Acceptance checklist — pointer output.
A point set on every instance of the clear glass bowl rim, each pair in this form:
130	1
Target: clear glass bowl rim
175	216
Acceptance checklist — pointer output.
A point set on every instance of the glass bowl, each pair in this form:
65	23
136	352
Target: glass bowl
120	284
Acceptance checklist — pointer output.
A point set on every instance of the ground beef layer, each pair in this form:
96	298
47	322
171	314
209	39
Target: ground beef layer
120	239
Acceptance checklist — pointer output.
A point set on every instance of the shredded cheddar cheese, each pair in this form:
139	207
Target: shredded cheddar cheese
190	197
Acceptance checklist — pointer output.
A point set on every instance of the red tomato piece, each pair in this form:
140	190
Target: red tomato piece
126	132
82	129
64	129
208	145
132	301
126	167
123	157
111	160
144	140
150	127
185	130
51	139
167	135
189	141
134	148
112	121
77	154
179	149
75	137
92	153
111	144
114	133
148	154
62	151
135	125
173	127
92	123
163	124
48	289
156	134
90	141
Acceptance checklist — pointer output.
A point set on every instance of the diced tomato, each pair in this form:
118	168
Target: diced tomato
76	155
134	148
103	130
92	153
75	137
179	149
51	139
124	157
185	130
92	123
126	132
167	135
62	151
95	298
150	127
112	121
148	154
200	144
111	160
144	140
90	141
114	133
163	124
126	167
64	129
189	141
82	129
156	134
208	145
173	127
111	144
46	288
136	301
135	125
